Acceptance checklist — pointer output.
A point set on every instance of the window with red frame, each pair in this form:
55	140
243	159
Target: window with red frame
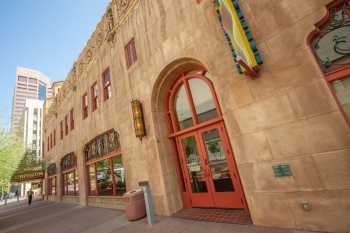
70	175
51	185
130	53
54	137
70	183
85	106
106	177
328	43
51	141
66	124
94	97
71	118
61	129
107	86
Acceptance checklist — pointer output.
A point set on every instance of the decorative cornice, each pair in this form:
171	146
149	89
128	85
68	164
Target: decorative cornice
115	16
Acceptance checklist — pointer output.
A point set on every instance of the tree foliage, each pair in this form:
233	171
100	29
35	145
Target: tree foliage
11	154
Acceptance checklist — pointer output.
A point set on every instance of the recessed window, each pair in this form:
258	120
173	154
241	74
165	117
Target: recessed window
94	97
107	86
66	124
71	117
61	129
85	106
130	53
52	184
51	141
54	137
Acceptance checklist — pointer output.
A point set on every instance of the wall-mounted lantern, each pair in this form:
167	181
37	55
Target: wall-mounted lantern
139	123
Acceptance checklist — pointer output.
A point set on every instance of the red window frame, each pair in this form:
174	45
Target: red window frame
93	163
333	73
52	183
48	143
66	124
61	126
94	97
65	190
71	117
51	141
85	106
54	137
130	53
106	84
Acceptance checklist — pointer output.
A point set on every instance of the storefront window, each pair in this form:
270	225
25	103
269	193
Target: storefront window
70	183
92	179
104	178
51	186
104	182
119	175
70	175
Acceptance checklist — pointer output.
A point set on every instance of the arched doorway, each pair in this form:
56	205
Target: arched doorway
209	174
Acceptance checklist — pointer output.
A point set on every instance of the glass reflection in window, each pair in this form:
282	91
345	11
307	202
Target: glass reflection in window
119	175
92	179
195	170
217	161
182	107
104	178
342	91
203	100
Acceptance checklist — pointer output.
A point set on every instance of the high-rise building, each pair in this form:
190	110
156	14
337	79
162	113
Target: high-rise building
30	84
33	124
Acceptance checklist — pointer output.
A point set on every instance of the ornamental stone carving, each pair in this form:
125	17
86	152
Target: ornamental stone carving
122	6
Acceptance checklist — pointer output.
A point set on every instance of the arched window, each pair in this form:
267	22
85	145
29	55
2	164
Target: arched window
331	46
70	176
193	102
205	159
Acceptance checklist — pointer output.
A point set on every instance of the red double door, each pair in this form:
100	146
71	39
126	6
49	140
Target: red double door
208	168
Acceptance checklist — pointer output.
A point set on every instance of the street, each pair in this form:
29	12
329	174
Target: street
49	217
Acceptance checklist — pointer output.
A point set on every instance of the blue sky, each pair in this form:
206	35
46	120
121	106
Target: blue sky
46	35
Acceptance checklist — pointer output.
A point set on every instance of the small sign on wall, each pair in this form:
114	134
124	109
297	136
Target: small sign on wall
281	170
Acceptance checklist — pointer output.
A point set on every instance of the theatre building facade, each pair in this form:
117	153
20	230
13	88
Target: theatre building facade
220	104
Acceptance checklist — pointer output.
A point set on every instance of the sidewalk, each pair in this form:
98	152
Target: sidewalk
52	217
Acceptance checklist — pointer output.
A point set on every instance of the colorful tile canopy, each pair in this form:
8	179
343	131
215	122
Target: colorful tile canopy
238	35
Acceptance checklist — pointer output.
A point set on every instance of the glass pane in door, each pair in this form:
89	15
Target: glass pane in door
217	161
203	100
182	107
195	170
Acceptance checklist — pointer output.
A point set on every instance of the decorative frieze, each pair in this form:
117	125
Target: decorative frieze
51	169
116	14
69	161
102	145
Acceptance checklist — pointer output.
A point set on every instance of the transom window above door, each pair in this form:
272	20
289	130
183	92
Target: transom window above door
193	102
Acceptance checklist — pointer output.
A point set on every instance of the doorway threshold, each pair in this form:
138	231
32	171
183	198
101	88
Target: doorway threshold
231	216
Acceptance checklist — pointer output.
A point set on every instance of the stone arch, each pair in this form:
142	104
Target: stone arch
165	147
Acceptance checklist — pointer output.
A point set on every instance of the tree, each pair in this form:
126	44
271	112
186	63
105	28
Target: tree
11	154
